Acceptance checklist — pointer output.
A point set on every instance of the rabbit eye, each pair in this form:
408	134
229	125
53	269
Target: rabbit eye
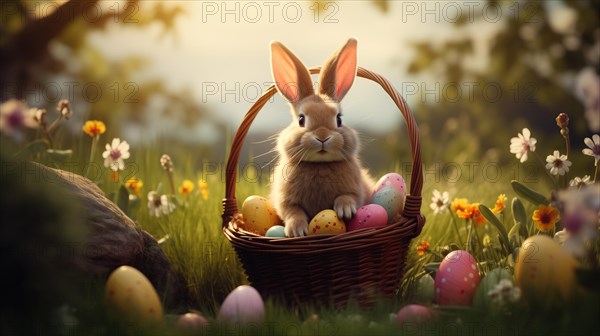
339	120
301	120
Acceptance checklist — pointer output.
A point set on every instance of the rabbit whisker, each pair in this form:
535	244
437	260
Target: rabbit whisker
274	150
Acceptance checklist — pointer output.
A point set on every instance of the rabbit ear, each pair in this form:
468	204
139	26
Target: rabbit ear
291	76
338	73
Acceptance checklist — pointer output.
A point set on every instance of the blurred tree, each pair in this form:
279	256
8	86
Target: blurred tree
46	56
542	60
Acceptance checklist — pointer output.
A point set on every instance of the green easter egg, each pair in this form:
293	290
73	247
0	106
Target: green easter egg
423	291
276	231
391	200
482	299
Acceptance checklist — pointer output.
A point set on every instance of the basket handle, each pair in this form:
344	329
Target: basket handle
412	206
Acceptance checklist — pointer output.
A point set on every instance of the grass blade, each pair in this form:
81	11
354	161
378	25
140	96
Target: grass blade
520	216
489	215
529	194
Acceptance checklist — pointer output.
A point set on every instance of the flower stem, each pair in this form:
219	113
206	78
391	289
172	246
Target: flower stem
567	142
55	123
48	136
479	241
171	183
595	173
456	229
469	231
92	154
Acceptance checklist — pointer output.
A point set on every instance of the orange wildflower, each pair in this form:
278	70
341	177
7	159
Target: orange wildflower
94	128
471	211
545	217
459	204
422	248
499	207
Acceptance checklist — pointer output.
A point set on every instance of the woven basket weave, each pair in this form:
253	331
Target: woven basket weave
361	265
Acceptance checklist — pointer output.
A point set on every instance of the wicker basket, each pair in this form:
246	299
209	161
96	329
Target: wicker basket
362	265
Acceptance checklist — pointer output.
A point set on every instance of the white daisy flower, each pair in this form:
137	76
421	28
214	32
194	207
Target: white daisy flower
594	147
439	202
159	204
580	181
557	164
115	154
522	144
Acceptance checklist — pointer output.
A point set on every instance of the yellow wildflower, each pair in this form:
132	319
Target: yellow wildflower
186	187
203	186
134	184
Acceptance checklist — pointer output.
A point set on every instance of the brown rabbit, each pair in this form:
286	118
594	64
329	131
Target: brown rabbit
318	155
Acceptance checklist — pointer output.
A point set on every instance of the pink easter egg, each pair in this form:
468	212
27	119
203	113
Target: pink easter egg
457	279
393	180
414	314
243	305
191	323
368	216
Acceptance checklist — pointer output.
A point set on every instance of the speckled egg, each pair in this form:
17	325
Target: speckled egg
326	222
493	278
259	214
544	271
243	305
391	200
414	314
130	296
368	216
277	231
393	180
457	279
191	324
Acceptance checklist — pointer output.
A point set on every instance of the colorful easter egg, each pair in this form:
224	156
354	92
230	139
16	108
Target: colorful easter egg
191	323
393	180
277	231
414	314
326	222
243	305
423	290
544	271
130	296
493	278
259	214
391	200
457	279
368	216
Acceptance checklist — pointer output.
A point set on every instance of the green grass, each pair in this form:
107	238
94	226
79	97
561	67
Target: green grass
198	249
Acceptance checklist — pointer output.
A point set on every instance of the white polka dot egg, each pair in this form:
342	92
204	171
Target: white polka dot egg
393	180
457	279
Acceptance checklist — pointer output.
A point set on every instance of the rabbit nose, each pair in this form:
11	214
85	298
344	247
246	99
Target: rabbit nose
324	141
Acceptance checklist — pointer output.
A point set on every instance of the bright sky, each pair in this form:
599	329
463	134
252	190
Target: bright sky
221	52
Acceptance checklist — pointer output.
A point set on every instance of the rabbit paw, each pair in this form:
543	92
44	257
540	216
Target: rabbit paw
296	227
345	207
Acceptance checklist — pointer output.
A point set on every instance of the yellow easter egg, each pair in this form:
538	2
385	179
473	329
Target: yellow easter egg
326	222
545	272
130	296
259	214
